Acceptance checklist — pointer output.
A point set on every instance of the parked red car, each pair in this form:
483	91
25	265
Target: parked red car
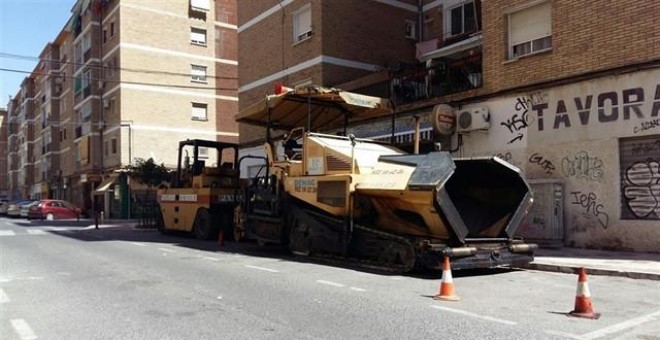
53	209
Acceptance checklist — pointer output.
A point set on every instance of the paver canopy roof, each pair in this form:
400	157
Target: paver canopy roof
327	108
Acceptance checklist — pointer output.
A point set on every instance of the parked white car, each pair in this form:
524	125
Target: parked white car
14	208
25	208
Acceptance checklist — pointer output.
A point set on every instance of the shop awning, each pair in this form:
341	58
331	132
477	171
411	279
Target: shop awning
105	185
327	108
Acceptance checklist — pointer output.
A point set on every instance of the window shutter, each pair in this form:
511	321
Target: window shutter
200	5
86	110
529	24
305	21
199	111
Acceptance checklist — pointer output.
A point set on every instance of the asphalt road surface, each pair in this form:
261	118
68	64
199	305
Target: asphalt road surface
61	281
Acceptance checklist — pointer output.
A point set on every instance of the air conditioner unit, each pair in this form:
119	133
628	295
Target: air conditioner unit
106	103
473	119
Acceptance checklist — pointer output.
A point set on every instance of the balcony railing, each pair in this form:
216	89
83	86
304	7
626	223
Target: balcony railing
418	82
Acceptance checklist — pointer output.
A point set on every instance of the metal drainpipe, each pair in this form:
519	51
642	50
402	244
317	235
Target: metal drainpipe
101	121
420	20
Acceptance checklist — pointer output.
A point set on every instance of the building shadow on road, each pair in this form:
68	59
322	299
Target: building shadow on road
179	239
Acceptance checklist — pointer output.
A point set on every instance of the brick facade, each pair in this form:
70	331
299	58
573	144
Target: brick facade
586	36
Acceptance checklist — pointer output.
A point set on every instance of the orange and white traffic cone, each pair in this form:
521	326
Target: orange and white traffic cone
221	238
447	284
583	307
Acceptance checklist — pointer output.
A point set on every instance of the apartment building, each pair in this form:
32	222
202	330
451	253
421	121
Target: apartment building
566	91
126	80
4	178
20	139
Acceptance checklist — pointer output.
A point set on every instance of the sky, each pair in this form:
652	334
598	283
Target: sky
26	26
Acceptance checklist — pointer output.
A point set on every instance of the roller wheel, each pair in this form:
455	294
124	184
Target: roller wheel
203	228
50	217
160	224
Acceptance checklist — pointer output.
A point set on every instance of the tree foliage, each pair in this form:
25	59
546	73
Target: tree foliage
148	172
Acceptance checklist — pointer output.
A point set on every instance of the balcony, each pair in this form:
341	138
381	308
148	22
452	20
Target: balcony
436	78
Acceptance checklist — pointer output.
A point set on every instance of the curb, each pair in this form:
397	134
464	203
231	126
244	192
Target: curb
591	271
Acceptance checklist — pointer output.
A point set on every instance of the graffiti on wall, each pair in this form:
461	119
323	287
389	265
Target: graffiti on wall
591	208
640	177
505	156
542	162
642	189
583	166
517	124
647	125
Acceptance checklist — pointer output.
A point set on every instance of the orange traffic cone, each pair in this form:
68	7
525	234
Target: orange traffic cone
221	238
583	307
447	284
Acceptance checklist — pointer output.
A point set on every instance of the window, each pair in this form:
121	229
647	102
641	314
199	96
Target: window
105	35
530	30
203	153
198	74
114	145
199	111
112	29
78	53
302	24
77	84
86	42
197	36
409	30
462	19
86	111
86	83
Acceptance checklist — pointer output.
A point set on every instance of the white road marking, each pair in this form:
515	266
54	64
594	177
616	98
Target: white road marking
489	318
3	297
138	244
57	229
211	258
7	233
23	329
220	297
36	232
563	334
358	289
330	283
262	268
167	250
620	326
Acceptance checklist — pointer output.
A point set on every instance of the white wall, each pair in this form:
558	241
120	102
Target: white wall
573	132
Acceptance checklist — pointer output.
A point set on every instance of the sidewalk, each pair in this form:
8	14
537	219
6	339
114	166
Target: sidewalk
87	223
598	262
